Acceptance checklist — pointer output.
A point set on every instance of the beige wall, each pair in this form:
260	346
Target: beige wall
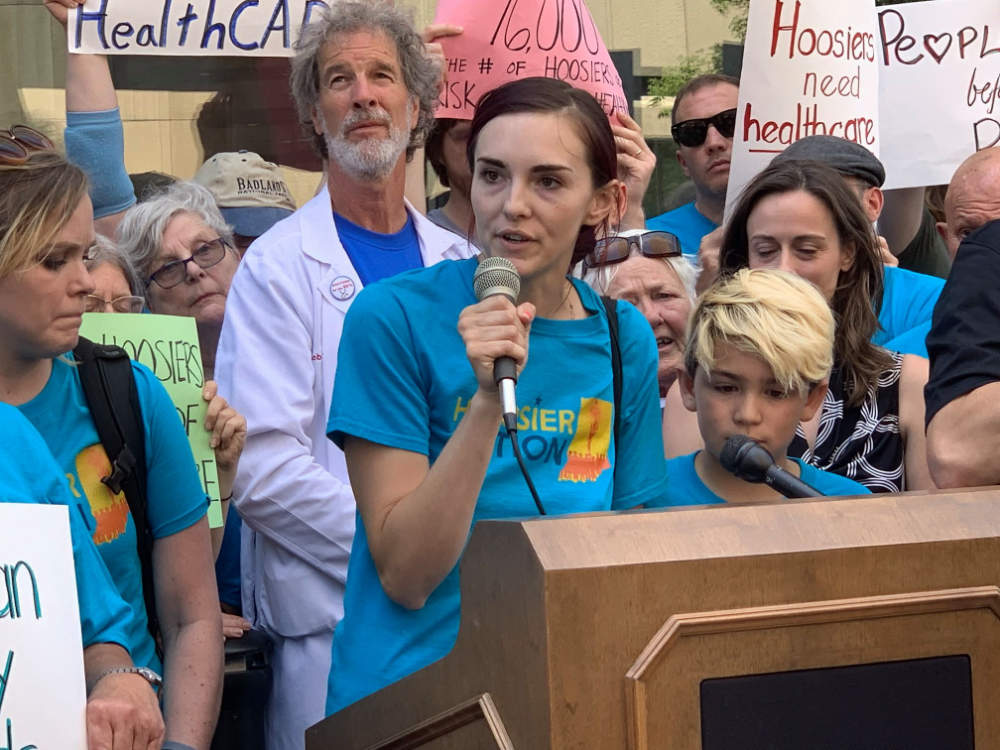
159	126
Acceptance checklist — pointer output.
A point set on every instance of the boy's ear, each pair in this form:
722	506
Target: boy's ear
686	383
814	401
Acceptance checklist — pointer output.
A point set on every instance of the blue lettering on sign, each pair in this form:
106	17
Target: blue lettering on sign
185	21
124	29
13	607
307	14
98	17
212	27
282	8
235	19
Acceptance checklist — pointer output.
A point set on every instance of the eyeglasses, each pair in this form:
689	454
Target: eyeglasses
616	249
171	274
19	141
127	304
692	133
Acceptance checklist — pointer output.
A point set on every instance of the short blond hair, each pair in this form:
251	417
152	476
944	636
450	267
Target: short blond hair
37	197
775	315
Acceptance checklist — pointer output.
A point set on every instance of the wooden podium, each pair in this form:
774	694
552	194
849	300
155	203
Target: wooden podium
607	630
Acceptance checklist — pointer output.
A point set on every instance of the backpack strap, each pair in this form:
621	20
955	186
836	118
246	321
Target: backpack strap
611	307
106	376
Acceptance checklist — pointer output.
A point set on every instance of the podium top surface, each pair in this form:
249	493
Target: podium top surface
719	531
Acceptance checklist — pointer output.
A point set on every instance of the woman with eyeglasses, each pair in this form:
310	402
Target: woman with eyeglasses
648	270
46	232
416	408
184	254
116	284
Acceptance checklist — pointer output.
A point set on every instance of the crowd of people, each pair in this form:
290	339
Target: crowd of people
349	359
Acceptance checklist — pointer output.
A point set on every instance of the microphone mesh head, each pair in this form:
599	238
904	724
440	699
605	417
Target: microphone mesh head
745	458
496	275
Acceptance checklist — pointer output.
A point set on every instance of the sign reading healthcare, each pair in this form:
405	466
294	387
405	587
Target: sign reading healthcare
505	41
41	653
940	87
189	27
810	68
167	345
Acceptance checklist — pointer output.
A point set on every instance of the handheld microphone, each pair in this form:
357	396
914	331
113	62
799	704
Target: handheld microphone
751	462
497	275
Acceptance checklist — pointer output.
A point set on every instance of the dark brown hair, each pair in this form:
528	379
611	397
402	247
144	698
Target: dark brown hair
539	94
858	296
697	84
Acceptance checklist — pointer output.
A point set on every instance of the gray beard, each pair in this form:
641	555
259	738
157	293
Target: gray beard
372	158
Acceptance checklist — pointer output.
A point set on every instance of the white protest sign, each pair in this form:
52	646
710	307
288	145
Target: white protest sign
259	28
810	68
939	96
42	693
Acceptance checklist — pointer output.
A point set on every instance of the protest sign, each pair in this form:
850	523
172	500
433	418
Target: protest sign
940	87
503	42
810	68
42	694
167	345
192	28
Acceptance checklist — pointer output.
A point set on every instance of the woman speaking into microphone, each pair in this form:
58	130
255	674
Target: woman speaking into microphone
418	413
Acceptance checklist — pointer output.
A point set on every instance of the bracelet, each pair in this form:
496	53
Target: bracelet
226	499
171	745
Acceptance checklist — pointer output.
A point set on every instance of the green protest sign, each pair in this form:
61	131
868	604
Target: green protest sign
167	345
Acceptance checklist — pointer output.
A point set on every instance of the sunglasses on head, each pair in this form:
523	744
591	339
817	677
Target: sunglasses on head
609	250
692	133
19	141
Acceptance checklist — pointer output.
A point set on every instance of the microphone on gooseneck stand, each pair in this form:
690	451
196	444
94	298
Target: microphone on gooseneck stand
499	276
750	461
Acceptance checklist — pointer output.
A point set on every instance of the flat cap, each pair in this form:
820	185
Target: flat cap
847	157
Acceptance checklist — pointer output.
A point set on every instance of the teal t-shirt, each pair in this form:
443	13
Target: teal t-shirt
175	498
687	223
29	474
403	380
907	307
684	486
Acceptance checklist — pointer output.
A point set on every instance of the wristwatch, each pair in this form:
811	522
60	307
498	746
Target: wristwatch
145	672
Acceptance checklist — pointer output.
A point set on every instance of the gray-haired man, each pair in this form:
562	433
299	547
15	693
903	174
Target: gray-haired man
365	88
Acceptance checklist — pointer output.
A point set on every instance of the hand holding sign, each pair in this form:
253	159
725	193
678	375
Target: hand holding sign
519	39
60	9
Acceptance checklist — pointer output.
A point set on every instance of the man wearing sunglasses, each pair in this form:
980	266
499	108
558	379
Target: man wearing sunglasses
702	125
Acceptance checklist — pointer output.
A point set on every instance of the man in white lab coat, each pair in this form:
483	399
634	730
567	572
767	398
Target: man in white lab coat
363	84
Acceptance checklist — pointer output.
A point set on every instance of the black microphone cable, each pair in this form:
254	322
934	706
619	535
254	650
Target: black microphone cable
511	427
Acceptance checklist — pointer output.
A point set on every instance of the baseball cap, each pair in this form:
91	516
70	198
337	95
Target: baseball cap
847	157
249	191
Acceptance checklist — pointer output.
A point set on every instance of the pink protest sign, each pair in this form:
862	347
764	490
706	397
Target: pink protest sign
505	41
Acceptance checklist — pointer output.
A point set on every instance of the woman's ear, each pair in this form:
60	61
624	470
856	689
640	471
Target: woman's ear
847	255
607	204
814	401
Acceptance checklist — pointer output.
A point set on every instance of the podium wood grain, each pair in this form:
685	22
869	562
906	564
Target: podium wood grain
594	631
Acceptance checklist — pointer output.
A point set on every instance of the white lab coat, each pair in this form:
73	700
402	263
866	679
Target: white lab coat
276	362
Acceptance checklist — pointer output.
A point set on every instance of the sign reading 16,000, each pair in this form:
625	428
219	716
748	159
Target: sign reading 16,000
556	24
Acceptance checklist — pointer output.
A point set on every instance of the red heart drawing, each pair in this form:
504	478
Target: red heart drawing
935	39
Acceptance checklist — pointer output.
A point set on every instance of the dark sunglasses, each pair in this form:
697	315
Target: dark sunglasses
692	133
609	250
173	273
19	141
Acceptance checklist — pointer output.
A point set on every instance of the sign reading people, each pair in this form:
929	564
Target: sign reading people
916	83
940	87
505	41
167	345
42	695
